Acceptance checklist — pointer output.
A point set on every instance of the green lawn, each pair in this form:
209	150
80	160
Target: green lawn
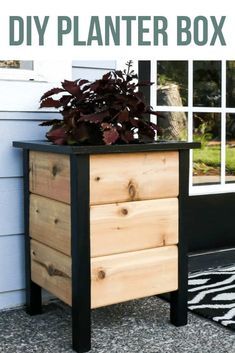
207	159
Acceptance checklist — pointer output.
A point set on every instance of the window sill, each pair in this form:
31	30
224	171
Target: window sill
20	75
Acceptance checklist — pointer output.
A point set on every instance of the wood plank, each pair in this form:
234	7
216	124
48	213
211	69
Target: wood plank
122	277
133	177
113	178
50	223
114	278
131	226
50	175
115	228
51	270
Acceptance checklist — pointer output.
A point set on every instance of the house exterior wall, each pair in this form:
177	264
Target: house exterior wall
19	119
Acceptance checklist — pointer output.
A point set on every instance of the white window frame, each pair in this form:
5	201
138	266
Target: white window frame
222	187
13	74
43	71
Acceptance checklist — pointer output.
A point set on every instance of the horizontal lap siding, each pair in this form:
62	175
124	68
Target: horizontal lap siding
11	158
19	119
11	263
91	70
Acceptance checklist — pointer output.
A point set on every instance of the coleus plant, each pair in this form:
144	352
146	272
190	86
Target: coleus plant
108	111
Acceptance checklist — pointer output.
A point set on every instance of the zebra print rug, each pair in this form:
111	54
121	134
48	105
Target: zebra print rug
212	295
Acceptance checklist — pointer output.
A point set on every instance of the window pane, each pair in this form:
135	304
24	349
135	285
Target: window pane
230	148
207	83
173	126
230	92
172	83
16	64
206	161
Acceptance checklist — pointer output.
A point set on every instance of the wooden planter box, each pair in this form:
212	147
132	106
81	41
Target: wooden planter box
104	224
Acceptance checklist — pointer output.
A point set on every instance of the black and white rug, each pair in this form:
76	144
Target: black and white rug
212	295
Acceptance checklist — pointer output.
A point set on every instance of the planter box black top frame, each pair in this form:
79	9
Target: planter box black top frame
46	146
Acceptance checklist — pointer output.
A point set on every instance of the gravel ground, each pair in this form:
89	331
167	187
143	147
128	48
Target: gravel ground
138	326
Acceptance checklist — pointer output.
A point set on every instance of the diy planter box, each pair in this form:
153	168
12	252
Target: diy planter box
104	224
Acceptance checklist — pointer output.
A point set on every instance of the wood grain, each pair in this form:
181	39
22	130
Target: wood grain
114	279
50	175
49	223
131	226
117	278
51	270
113	178
115	228
133	176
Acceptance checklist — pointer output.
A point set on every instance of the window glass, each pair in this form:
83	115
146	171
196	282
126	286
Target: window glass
16	64
173	126
230	148
207	160
230	84
172	83
207	83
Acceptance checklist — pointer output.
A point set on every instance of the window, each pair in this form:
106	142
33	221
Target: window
16	64
196	100
49	70
16	70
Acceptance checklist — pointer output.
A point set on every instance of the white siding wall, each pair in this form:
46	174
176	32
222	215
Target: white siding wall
19	119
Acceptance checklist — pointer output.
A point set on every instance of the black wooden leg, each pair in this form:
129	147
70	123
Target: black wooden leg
178	307
80	245
178	301
33	291
33	299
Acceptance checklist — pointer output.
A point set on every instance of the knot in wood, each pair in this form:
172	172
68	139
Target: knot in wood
97	178
54	170
51	270
101	274
56	220
131	190
124	211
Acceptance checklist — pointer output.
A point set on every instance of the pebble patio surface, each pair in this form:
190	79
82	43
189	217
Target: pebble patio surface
138	326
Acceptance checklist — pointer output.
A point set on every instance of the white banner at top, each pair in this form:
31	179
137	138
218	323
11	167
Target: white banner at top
113	30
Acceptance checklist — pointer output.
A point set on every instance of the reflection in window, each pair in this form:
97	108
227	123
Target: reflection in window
172	83
207	83
173	126
230	83
206	161
230	148
16	64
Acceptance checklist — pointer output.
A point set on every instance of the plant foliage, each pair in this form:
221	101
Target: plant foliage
107	111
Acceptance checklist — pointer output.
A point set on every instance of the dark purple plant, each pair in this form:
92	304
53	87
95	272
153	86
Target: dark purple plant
108	111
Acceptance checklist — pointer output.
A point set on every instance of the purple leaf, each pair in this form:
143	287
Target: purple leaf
64	100
144	83
105	77
50	103
52	92
95	117
57	135
50	122
82	82
72	87
127	136
123	116
110	134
